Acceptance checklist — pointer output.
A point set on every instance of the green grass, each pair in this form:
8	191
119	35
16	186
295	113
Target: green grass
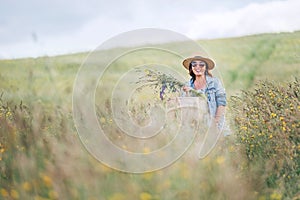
43	158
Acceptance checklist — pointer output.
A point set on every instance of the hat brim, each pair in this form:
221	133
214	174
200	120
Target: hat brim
210	63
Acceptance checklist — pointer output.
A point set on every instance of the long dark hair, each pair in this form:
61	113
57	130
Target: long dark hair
207	72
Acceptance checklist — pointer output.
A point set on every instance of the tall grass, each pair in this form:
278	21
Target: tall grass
41	158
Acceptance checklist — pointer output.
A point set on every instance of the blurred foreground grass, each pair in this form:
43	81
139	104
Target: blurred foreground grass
41	156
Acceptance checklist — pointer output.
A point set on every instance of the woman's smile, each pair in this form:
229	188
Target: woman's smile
198	67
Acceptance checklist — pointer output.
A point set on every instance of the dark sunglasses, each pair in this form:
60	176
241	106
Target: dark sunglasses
194	64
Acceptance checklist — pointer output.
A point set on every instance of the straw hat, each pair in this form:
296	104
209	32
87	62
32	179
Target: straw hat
210	63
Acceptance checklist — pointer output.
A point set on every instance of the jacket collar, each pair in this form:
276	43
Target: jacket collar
209	79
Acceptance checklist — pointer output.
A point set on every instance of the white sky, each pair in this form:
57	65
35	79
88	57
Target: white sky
35	27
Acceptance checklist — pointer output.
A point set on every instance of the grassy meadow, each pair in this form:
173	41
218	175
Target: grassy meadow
42	157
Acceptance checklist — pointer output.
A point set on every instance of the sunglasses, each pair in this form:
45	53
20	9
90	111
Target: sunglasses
194	64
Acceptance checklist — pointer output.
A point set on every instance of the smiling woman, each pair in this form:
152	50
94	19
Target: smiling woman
203	82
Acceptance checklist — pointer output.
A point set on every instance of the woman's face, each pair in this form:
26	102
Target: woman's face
198	67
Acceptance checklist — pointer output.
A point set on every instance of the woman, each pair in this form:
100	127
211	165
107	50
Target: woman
203	82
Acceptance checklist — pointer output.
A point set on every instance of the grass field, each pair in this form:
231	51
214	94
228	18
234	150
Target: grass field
42	157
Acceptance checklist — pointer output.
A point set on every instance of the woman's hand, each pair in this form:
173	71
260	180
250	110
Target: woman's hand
220	112
186	88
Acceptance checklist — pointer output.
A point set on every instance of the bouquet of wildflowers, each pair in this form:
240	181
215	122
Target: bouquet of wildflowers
164	83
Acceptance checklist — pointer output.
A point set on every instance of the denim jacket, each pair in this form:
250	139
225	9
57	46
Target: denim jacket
214	92
216	96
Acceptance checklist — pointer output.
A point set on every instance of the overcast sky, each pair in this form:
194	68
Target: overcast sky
35	27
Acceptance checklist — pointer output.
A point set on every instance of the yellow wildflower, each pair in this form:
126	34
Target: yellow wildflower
8	114
26	186
118	196
220	160
102	120
147	176
4	192
271	136
14	194
146	150
273	115
147	71
145	196
105	168
262	198
53	194
47	180
276	196
231	148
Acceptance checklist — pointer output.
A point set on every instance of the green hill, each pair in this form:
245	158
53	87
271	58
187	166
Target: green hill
245	60
241	62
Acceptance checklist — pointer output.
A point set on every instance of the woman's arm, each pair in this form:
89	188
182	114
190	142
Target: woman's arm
219	113
220	101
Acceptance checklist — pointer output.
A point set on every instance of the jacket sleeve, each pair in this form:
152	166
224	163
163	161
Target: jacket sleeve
220	93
